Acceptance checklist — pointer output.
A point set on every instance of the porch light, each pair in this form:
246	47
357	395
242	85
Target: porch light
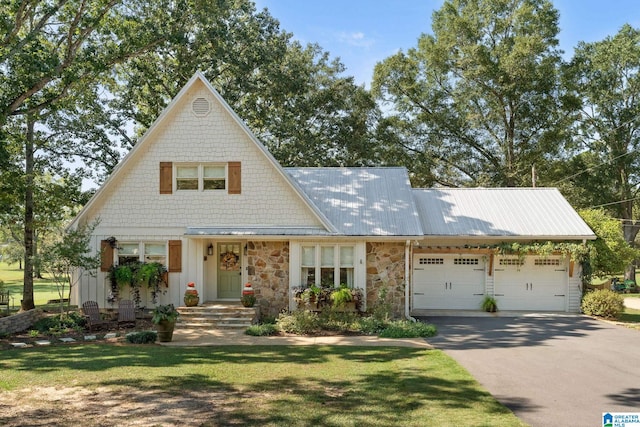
210	249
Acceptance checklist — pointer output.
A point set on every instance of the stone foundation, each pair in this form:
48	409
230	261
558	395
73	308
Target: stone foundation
385	268
268	273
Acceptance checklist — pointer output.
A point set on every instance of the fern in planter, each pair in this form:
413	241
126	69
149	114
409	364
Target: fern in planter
341	296
489	304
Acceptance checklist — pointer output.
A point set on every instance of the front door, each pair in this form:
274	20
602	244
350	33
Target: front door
229	271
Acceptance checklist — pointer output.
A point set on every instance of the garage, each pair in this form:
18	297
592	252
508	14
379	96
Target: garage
531	283
444	281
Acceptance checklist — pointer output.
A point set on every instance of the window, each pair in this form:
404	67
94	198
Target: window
546	261
155	252
128	253
187	178
152	252
328	266
430	261
201	177
465	261
213	178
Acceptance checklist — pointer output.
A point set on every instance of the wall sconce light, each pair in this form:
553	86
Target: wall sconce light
113	242
245	250
210	249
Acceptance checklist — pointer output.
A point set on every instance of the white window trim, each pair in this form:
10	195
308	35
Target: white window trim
200	167
141	249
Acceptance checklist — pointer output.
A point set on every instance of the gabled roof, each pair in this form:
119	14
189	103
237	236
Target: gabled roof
145	139
540	213
362	201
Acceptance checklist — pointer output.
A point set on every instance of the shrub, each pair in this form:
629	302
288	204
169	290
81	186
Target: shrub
407	329
301	322
603	303
332	319
262	330
142	337
60	323
371	325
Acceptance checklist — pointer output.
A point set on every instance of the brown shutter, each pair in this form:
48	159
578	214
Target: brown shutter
166	177
106	255
175	256
235	179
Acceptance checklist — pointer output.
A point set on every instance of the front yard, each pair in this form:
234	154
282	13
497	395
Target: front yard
95	384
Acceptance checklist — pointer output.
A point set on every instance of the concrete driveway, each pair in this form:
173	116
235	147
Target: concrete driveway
548	369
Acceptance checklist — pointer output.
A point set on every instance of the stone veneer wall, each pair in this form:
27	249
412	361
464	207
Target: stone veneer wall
268	273
20	321
385	267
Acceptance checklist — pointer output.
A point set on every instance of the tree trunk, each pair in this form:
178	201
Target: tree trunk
27	290
630	229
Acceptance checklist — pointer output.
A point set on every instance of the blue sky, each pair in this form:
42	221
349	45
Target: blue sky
364	32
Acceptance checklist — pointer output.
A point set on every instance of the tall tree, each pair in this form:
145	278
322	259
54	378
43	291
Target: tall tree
479	101
607	79
294	98
50	50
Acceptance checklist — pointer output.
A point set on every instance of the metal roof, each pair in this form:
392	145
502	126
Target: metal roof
362	201
527	212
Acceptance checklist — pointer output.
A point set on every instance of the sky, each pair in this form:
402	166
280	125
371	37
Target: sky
365	32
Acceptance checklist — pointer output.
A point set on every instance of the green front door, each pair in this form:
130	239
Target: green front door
229	271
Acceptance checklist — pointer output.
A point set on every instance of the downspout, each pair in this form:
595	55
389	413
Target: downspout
407	282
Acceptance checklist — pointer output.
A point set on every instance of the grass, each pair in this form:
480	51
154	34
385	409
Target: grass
43	289
631	318
293	385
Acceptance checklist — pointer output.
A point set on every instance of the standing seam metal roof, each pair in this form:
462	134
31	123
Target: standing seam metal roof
528	212
362	201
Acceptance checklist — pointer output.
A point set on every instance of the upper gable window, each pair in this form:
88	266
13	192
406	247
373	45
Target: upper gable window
187	178
214	178
201	177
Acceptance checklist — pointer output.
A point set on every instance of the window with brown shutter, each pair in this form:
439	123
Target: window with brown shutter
235	178
166	177
175	256
106	255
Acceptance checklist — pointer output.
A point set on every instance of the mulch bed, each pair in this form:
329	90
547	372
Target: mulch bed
30	339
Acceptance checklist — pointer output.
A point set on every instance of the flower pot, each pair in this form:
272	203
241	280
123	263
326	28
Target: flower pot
191	300
165	330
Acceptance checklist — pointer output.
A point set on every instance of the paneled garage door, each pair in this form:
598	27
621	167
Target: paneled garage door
448	281
532	283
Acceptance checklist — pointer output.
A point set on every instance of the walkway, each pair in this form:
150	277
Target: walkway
198	337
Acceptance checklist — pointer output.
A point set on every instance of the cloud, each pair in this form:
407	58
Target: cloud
356	38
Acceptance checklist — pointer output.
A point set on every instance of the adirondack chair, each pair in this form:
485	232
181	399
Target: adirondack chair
92	313
126	313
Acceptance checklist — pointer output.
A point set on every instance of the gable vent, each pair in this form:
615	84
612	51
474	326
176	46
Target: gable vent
200	107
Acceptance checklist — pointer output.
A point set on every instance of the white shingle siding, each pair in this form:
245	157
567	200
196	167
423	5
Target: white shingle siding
266	198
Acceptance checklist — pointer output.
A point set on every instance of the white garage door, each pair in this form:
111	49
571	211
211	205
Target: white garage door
532	283
454	282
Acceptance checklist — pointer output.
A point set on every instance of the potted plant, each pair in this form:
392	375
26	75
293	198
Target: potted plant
341	296
489	304
122	275
165	317
248	298
191	298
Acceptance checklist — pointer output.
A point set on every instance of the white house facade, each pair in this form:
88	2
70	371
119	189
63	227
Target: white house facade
201	195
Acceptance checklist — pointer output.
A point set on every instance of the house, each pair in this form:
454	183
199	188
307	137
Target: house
200	194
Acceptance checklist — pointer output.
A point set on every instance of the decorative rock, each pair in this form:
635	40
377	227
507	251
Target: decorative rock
89	337
43	342
110	335
19	344
67	339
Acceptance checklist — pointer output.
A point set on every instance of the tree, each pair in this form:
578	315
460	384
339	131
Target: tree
612	253
293	97
52	52
479	101
66	259
606	78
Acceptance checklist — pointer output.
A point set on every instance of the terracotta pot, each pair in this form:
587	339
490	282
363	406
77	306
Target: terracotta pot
165	330
191	300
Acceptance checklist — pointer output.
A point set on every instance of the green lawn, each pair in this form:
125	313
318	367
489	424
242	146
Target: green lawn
288	386
43	289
